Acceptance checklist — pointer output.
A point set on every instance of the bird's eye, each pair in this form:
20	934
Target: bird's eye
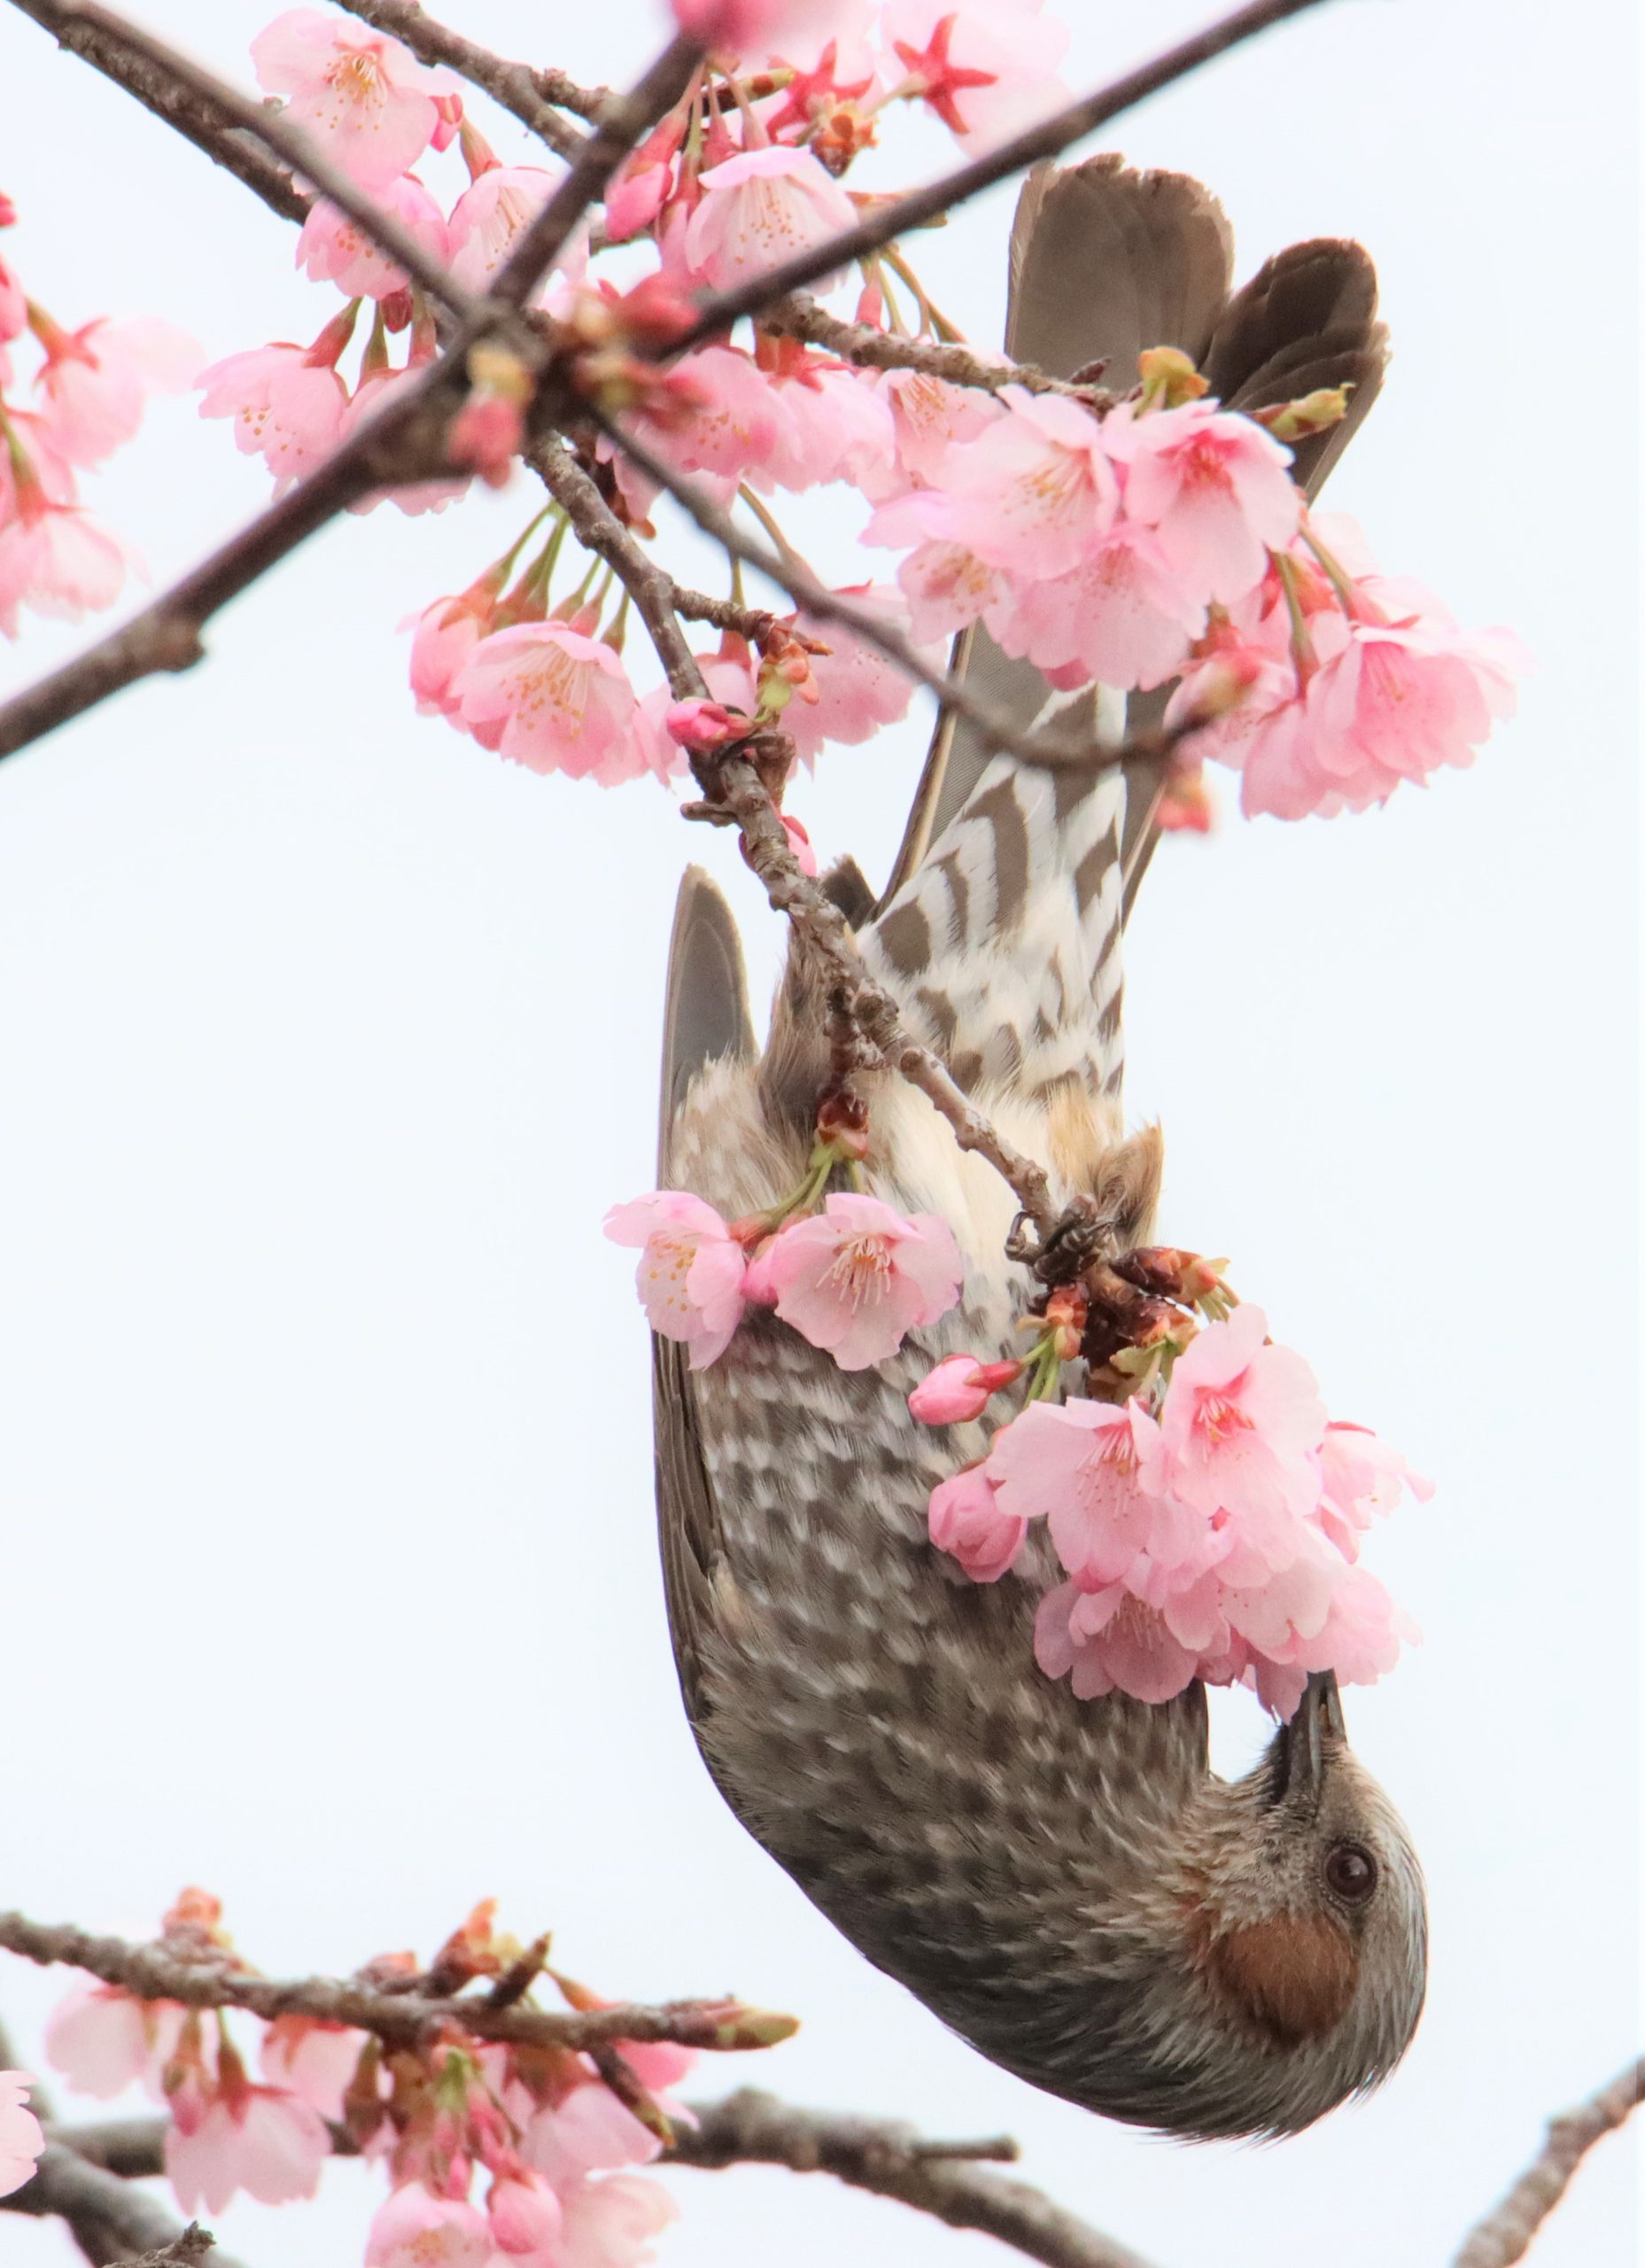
1351	1872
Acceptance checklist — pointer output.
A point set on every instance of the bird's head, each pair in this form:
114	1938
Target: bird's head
1304	1926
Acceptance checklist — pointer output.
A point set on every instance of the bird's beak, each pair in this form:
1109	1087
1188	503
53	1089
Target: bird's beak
1300	1746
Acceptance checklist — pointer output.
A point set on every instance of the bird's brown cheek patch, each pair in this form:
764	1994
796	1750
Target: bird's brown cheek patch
1292	1976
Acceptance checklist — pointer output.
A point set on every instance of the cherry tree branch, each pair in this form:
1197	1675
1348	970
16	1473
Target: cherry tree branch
883	2157
872	349
299	150
1505	2235
515	87
163	1971
159	91
896	217
108	2219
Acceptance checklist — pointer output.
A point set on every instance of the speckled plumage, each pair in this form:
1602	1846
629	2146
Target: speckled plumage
1065	1883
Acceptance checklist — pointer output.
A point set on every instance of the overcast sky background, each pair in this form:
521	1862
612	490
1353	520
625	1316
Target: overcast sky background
331	1575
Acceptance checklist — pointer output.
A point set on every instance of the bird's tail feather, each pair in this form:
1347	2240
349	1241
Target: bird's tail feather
1001	925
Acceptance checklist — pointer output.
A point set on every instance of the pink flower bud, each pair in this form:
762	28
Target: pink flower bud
703	725
800	843
486	435
958	1389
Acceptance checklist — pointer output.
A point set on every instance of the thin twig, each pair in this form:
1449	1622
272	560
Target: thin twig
1505	2235
512	85
872	349
159	91
947	2180
650	585
299	150
162	1972
109	2219
887	2158
1044	140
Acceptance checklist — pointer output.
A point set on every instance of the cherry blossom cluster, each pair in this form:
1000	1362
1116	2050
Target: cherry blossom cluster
1163	539
849	1273
554	2144
1208	1522
87	398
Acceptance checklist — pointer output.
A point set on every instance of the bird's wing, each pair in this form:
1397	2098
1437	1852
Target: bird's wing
706	1022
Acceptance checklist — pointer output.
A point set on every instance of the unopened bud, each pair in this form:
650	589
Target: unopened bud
1169	378
1315	413
754	2027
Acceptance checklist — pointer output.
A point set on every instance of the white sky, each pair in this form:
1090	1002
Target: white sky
328	1041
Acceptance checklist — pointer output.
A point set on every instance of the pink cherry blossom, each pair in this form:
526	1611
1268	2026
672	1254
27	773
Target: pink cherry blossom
1361	1637
1214	487
717	414
759	209
287	406
1401	700
94	380
1095	1468
610	2223
1239	1426
1034	492
1123	615
987	68
1267	1611
966	1520
658	2064
56	559
313	2061
366	98
928	417
525	2221
855	1278
444	636
958	1389
837	427
589	2131
549	698
1108	1642
490	216
736	27
1359	1477
859	690
945	583
235	2136
334	249
103	2041
377	389
13	304
691	1272
414	2229
21	2140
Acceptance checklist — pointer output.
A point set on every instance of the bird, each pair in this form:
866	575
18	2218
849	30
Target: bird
1065	1884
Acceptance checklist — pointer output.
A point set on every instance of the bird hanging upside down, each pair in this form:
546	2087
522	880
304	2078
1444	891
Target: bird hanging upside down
1065	1883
